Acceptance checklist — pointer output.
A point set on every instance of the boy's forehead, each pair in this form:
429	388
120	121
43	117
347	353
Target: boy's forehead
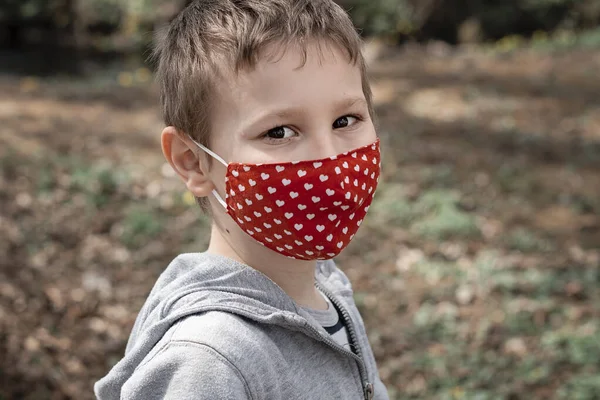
283	74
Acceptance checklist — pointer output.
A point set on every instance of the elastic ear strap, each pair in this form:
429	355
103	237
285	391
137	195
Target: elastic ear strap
219	159
219	199
210	152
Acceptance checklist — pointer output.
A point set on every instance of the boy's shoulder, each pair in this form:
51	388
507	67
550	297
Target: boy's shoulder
234	316
220	330
238	333
235	332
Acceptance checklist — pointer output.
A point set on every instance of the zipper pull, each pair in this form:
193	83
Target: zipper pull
369	391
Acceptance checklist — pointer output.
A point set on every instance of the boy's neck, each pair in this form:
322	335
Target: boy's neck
295	277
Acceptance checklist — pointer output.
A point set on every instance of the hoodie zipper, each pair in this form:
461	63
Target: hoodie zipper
366	385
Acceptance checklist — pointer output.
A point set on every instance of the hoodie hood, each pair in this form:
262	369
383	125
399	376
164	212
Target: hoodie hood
193	284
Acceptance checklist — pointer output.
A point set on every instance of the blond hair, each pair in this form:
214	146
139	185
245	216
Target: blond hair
211	35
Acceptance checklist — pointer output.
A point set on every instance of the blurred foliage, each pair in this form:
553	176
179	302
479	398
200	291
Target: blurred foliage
382	16
139	225
449	20
456	20
107	11
436	214
85	23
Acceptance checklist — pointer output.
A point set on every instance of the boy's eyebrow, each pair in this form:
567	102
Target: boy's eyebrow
351	102
284	113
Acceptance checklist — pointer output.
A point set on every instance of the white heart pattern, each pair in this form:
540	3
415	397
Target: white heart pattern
302	209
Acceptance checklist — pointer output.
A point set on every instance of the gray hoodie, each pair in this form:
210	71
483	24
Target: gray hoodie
213	328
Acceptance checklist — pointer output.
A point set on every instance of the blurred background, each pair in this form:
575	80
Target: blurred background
477	271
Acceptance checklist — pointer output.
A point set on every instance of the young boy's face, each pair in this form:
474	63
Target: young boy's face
287	110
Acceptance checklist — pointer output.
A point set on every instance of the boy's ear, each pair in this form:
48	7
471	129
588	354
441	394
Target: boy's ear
182	156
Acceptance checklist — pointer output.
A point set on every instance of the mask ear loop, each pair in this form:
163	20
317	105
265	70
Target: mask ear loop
210	152
219	159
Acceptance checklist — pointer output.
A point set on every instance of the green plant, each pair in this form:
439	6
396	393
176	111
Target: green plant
577	346
99	182
521	323
581	387
526	241
447	222
533	371
382	16
584	350
392	207
435	271
435	322
139	226
442	218
441	176
46	180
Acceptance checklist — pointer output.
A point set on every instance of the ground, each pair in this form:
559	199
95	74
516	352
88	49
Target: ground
477	270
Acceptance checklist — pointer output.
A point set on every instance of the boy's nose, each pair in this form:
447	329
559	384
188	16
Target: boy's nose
324	146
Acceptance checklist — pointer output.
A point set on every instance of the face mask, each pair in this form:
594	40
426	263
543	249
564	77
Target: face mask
306	210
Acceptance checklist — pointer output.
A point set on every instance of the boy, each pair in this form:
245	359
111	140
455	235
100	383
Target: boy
269	124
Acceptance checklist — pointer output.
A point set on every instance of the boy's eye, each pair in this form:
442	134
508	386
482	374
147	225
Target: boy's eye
344	122
281	132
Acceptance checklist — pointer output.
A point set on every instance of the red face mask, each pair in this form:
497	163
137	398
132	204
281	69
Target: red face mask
307	210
